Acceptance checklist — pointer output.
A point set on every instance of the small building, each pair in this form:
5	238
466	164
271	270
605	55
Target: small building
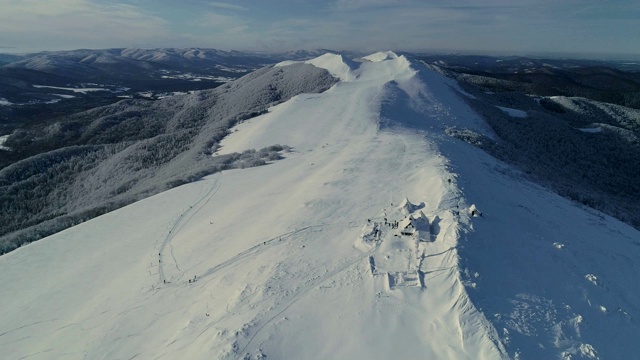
407	226
404	279
412	225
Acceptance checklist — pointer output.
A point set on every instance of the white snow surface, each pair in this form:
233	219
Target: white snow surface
64	96
337	65
513	112
297	260
75	90
470	96
592	130
3	140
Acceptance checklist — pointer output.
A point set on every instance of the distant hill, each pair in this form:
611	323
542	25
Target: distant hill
43	86
616	82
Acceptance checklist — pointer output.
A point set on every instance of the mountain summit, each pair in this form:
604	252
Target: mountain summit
377	236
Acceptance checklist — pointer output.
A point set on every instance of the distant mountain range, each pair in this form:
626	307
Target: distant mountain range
93	63
59	83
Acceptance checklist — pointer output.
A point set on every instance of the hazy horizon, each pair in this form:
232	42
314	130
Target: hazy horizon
523	27
536	55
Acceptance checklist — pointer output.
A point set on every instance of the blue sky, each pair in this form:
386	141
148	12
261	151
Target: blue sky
494	26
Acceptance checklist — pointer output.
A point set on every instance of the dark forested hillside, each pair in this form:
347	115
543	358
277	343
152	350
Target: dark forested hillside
616	82
583	148
83	165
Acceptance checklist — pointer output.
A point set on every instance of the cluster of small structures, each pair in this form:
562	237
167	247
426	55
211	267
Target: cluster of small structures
397	239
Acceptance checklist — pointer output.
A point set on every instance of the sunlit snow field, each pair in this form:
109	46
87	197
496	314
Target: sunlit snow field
302	258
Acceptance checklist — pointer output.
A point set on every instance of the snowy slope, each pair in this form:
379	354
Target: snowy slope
302	259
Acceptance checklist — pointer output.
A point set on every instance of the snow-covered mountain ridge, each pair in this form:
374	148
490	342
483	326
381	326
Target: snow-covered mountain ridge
365	242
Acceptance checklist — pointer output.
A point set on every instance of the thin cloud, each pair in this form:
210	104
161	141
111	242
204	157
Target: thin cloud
220	22
227	6
77	23
359	4
492	25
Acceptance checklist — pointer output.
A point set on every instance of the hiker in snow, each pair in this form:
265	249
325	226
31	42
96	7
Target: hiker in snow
164	281
449	181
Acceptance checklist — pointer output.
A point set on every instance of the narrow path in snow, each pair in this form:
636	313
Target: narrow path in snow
182	220
254	249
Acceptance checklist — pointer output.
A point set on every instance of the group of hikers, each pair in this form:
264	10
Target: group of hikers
393	224
164	281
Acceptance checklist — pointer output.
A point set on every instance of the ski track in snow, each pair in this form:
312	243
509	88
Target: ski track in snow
377	237
280	239
182	220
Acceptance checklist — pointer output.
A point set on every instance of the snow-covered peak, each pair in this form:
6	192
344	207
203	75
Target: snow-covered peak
337	65
401	93
381	56
345	69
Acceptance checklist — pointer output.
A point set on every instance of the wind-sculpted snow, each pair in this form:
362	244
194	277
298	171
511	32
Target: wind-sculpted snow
377	236
337	65
139	148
